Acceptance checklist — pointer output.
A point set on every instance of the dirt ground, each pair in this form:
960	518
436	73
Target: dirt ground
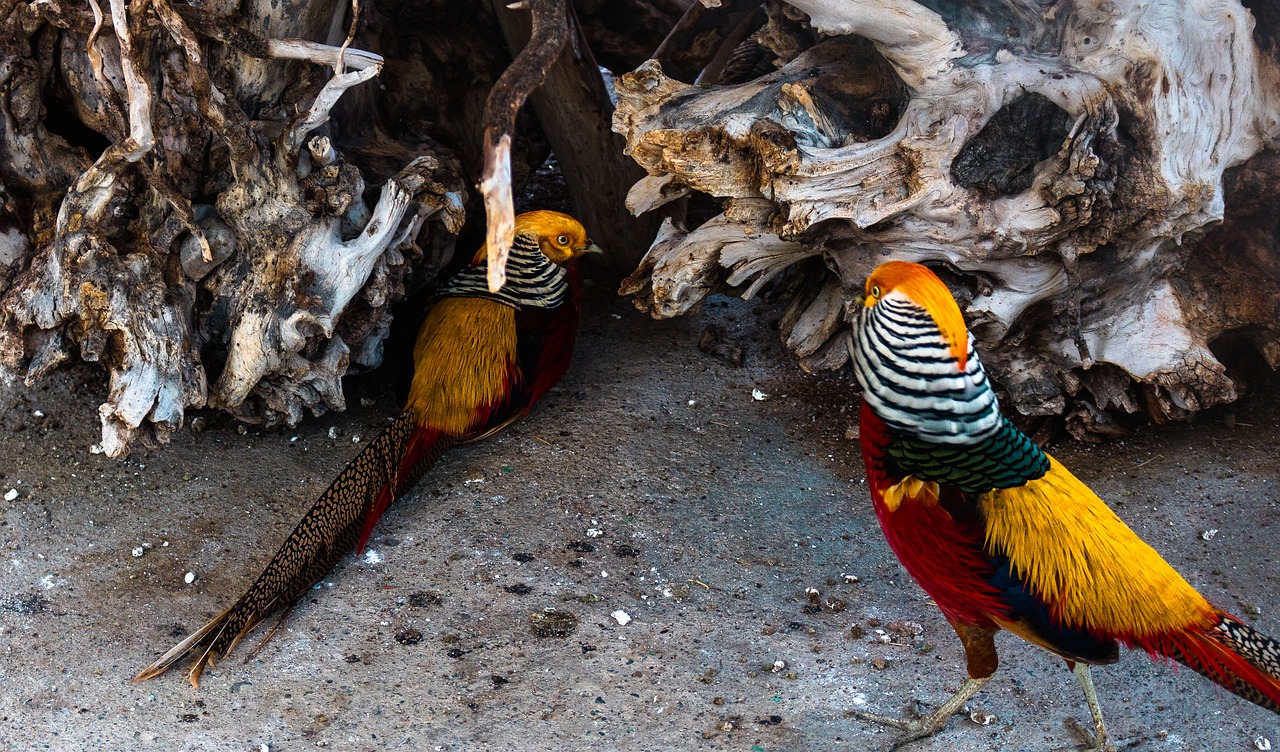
650	484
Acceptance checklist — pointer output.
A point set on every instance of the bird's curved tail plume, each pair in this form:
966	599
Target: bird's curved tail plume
1231	654
341	518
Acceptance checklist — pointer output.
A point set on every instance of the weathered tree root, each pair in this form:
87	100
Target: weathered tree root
1063	170
199	232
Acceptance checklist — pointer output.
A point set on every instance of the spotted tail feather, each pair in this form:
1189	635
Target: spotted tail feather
384	469
1231	654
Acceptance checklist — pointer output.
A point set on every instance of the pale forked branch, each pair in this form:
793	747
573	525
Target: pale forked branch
518	81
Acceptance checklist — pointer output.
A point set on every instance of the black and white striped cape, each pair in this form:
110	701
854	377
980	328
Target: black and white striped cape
912	381
533	281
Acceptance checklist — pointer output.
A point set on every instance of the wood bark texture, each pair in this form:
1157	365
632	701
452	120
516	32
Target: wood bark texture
220	202
1091	176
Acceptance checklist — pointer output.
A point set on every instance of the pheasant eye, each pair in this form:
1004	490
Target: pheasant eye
562	240
875	291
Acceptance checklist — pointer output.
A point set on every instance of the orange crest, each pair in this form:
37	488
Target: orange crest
925	289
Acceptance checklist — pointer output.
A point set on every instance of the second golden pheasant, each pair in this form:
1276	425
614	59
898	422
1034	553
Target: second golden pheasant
481	361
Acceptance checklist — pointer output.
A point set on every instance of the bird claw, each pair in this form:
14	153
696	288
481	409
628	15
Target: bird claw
1089	741
912	730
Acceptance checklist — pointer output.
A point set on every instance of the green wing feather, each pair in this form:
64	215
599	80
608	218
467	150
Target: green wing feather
1005	459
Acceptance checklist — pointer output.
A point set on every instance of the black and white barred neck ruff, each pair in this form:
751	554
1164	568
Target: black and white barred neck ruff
910	379
533	281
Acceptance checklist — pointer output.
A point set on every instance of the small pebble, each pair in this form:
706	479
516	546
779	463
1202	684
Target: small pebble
693	403
11	494
778	665
594	533
879	664
189	578
1208	534
96	449
758	395
552	623
333	432
1262	743
138	551
850	578
981	717
904	630
37	413
622	617
293	438
852	432
355	438
368	401
198	424
409	636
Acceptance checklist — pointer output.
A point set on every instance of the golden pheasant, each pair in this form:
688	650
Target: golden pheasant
998	533
481	360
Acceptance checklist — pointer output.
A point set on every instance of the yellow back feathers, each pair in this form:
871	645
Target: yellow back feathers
1085	563
465	353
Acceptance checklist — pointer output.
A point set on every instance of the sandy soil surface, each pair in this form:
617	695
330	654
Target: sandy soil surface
650	485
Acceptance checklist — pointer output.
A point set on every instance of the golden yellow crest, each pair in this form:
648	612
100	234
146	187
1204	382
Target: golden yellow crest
560	237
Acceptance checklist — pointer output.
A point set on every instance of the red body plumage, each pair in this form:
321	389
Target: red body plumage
944	555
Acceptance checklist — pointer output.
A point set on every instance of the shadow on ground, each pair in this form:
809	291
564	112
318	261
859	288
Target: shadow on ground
651	483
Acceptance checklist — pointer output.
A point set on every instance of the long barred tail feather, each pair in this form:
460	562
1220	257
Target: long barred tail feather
387	467
1231	654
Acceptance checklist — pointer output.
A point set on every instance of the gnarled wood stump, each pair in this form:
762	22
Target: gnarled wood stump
220	202
1086	173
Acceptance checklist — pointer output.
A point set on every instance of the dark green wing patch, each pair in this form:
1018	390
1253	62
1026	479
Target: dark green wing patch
1004	460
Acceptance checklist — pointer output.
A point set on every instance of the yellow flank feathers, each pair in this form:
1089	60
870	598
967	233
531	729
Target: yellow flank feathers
910	487
466	348
1082	560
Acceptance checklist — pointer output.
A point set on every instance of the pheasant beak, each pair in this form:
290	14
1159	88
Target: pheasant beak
591	248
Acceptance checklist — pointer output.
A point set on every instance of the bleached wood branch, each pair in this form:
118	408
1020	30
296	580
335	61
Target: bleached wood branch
526	72
913	38
323	54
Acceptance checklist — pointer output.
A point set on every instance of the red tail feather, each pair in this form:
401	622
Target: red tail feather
424	447
1229	653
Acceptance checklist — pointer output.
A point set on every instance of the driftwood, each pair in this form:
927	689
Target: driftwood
220	203
1084	172
574	108
550	32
